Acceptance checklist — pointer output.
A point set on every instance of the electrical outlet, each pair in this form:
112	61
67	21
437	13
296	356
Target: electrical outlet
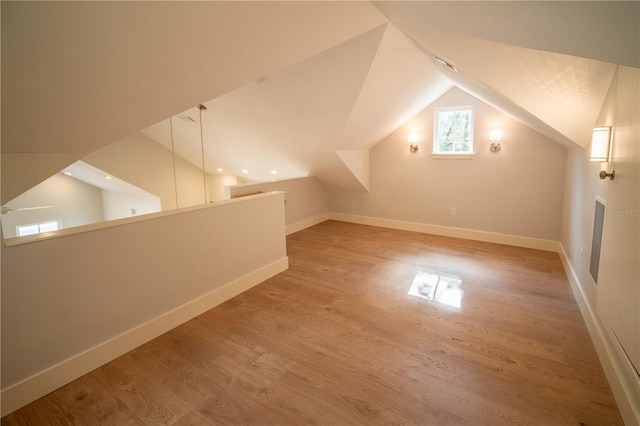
452	211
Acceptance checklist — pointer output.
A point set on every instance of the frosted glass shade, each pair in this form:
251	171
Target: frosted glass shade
600	144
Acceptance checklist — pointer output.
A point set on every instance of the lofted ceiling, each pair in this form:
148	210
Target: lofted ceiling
298	87
302	119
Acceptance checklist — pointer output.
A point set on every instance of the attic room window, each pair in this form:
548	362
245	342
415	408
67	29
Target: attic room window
37	228
453	131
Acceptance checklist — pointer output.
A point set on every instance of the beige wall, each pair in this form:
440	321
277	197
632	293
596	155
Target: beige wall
306	199
612	306
517	191
217	184
73	302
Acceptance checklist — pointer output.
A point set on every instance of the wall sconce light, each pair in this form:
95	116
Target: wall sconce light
600	143
600	146
413	138
495	137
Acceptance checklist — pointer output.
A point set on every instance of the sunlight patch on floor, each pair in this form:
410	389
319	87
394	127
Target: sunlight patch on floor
444	290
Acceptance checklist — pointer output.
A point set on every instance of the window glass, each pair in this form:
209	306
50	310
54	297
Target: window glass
27	230
37	228
453	131
48	226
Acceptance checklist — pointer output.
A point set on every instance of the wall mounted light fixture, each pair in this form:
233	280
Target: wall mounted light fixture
495	137
600	147
600	142
413	138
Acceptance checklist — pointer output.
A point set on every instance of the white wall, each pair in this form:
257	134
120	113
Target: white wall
75	203
517	191
123	285
217	186
611	307
118	205
306	199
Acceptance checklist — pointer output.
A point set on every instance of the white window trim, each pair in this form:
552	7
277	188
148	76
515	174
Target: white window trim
461	156
452	155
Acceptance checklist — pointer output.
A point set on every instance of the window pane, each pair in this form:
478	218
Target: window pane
446	131
37	228
48	226
27	230
454	131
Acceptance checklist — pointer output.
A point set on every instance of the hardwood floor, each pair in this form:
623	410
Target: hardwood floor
337	340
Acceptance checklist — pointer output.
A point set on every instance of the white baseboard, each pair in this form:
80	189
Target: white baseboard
306	223
469	234
619	371
44	382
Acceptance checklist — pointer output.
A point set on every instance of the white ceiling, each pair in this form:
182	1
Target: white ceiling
297	87
607	31
348	97
559	95
95	177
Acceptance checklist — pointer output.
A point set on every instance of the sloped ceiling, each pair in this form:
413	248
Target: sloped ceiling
80	75
558	95
606	31
284	121
304	119
297	87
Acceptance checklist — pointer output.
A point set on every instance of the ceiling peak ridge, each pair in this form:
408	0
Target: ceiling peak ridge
556	94
417	82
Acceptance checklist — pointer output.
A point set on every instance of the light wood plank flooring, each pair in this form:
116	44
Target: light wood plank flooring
337	340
